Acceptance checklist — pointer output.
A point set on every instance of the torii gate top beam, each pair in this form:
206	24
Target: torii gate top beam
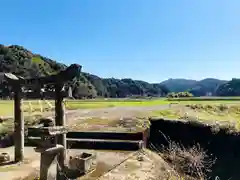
66	75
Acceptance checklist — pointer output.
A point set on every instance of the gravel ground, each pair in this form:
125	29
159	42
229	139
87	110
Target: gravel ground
108	113
109	159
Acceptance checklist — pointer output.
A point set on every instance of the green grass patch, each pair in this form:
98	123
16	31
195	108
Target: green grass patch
220	114
168	113
78	104
210	98
6	106
205	102
38	60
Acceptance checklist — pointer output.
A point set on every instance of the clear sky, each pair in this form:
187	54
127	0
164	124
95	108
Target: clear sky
151	40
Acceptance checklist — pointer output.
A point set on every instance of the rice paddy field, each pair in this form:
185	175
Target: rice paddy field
108	113
127	115
30	106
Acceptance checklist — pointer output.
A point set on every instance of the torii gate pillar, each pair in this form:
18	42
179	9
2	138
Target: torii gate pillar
18	125
60	121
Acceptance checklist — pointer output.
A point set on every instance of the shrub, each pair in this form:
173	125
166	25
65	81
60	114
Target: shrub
179	95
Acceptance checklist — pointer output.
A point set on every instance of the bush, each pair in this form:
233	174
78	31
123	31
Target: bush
179	95
193	161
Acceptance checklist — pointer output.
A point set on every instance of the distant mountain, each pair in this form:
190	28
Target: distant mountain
179	85
20	61
209	85
230	88
197	88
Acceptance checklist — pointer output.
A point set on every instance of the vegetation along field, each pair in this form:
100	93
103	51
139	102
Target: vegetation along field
126	105
107	115
37	106
224	111
216	108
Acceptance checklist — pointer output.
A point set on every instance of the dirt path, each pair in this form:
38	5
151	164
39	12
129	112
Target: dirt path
108	113
72	117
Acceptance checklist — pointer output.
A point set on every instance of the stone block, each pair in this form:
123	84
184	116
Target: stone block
83	162
47	122
4	157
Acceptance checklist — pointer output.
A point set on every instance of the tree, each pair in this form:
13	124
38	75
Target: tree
231	88
84	91
179	95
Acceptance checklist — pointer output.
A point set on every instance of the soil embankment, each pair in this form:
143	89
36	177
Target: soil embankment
222	144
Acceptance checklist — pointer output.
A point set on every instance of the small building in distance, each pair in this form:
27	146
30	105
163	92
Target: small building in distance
209	94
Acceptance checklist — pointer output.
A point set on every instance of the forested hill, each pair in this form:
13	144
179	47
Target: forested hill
197	88
20	61
179	85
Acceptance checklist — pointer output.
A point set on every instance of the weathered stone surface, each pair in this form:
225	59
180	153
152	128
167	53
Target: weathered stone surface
4	157
47	122
52	150
83	162
50	131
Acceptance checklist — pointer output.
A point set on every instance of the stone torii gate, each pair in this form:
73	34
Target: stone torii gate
58	81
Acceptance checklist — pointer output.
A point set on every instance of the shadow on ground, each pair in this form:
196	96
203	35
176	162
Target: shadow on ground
7	163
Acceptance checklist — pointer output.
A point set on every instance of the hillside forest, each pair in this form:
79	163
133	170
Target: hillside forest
22	62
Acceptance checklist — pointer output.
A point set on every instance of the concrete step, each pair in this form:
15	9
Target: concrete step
100	144
96	135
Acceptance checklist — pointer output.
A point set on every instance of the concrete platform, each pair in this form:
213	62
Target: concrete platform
141	165
97	144
117	165
30	168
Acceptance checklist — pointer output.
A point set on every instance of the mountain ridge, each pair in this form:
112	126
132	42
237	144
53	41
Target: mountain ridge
20	61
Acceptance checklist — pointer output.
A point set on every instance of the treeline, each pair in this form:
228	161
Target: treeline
179	95
231	88
19	61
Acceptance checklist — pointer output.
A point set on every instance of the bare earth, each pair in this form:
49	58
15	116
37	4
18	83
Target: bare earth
111	165
108	113
106	160
144	165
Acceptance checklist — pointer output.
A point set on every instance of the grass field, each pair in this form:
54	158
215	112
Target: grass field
226	110
7	106
227	115
206	98
222	111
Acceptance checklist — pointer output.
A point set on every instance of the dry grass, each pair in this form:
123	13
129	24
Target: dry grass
167	113
216	115
7	125
190	163
111	125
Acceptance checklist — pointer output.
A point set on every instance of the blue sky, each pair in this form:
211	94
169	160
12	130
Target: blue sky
151	40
